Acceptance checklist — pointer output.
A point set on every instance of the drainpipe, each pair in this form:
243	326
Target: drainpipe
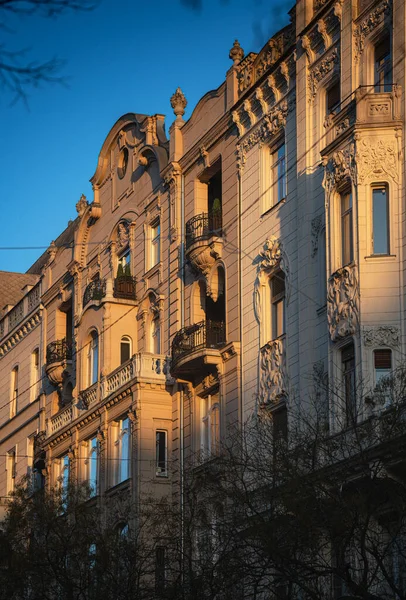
181	399
240	299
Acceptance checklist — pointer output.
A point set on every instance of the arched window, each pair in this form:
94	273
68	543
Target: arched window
93	359
125	349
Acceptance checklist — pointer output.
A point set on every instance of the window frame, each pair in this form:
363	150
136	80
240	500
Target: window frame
14	391
35	374
346	214
154	244
92	359
159	470
210	425
121	464
380	186
275	163
11	470
125	341
383	76
92	448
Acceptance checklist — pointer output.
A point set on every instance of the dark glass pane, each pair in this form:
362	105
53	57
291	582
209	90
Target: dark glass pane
383	359
333	97
380	221
125	352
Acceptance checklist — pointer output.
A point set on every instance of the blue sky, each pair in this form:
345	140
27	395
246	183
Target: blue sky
126	56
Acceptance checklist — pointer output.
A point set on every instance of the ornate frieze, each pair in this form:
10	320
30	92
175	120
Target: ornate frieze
269	125
368	24
272	377
343	303
321	69
383	335
375	158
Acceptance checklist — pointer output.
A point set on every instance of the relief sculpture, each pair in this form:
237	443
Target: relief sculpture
272	373
343	303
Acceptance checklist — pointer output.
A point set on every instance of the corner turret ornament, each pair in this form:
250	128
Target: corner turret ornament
81	205
178	103
236	53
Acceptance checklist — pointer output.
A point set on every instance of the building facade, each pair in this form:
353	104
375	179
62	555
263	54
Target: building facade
219	272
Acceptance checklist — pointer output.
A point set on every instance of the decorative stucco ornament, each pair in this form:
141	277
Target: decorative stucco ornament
339	168
236	53
370	22
81	205
375	158
321	70
272	386
384	335
123	235
178	103
343	303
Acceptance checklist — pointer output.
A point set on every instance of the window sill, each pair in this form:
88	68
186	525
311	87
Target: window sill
269	210
381	257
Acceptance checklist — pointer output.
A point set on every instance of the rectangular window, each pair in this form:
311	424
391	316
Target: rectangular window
161	453
349	383
210	425
382	364
278	304
155	249
346	228
124	265
380	212
92	465
333	98
383	66
278	168
14	392
121	450
65	467
11	470
35	375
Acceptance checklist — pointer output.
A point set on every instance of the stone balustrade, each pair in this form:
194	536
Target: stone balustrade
140	366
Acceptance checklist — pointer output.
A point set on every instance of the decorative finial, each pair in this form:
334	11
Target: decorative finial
178	103
81	205
236	53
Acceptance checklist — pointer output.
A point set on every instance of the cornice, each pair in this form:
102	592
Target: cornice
57	288
22	330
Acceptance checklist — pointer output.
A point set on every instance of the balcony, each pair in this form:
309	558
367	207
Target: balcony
124	287
368	106
58	359
152	367
204	240
95	290
196	345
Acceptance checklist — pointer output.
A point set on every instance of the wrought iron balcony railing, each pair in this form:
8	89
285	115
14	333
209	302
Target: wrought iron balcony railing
206	334
202	227
124	287
95	290
59	351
